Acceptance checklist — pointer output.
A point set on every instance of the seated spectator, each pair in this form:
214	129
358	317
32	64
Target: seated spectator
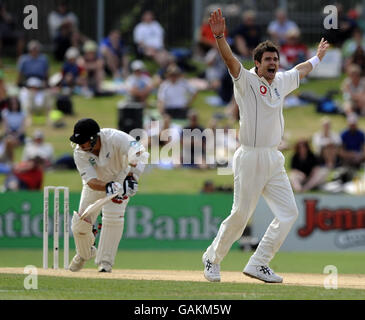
358	58
208	187
306	172
63	29
206	40
113	51
71	71
33	65
279	28
194	150
352	151
247	35
215	69
139	83
14	121
175	94
34	96
353	90
7	150
148	36
326	144
26	175
293	51
3	93
93	67
37	147
350	45
9	34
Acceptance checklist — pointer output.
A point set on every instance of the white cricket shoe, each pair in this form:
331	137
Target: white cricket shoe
77	262
211	270
105	267
263	273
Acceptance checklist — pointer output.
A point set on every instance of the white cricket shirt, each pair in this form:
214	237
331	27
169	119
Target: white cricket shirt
112	163
261	106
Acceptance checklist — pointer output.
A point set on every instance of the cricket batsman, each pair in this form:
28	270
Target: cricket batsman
110	162
258	165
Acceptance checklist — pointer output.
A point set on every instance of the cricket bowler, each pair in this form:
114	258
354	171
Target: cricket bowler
258	165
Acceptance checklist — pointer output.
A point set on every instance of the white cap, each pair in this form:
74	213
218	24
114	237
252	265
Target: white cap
72	53
137	65
38	134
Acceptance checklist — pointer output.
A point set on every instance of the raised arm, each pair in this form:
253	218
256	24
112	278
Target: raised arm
306	67
218	25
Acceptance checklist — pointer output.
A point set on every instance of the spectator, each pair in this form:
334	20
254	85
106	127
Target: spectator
139	84
37	147
206	40
33	65
350	45
71	71
279	28
352	151
293	51
3	93
113	51
9	33
148	36
194	150
306	172
353	90
170	132
93	68
175	94
26	175
215	69
7	149
247	35
326	144
14	121
208	187
358	58
34	95
63	29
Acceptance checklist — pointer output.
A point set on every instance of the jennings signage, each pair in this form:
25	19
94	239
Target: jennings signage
325	223
151	221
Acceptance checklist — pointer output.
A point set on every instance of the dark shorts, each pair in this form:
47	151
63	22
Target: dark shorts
178	113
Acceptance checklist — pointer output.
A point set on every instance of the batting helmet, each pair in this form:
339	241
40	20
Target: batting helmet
85	130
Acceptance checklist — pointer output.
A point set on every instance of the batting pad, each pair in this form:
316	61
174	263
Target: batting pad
83	236
111	233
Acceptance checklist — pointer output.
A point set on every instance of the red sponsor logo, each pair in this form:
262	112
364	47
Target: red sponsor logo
330	219
263	89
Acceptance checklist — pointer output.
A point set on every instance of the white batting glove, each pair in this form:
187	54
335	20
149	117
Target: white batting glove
130	187
113	188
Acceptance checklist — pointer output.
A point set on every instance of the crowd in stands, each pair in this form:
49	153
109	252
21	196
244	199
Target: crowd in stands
168	95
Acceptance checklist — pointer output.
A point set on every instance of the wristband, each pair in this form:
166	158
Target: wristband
314	61
219	36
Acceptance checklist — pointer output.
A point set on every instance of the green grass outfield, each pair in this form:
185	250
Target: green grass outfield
11	286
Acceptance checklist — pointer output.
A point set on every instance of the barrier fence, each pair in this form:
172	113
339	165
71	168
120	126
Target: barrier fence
325	223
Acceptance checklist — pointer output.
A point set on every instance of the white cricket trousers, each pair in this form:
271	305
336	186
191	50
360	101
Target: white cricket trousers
257	171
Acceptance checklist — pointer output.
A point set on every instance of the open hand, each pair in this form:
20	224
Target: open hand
217	22
322	48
